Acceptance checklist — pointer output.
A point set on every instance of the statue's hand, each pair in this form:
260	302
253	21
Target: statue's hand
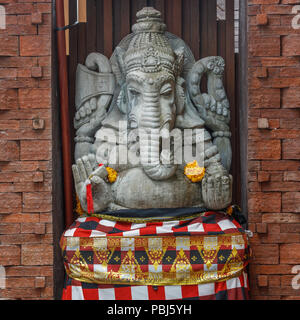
83	175
217	191
212	106
89	117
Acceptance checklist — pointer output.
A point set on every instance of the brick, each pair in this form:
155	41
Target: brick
29	271
37	201
35	150
264	98
10	203
40	282
280	238
290	98
264	150
283	186
9	228
264	1
24	73
9	255
35	45
291	149
262	19
37	254
20	293
9	46
289	72
271	269
263	176
38	124
19	8
276	9
20	217
274	123
274	281
253	166
261	228
280	218
8	99
36	72
40	228
291	202
38	177
263	123
36	18
280	165
17	62
265	46
44	7
279	61
290	253
266	253
292	176
262	280
290	228
264	202
291	45
19	282
37	98
10	150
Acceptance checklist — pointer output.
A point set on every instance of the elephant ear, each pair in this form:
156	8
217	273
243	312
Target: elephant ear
95	86
118	65
179	63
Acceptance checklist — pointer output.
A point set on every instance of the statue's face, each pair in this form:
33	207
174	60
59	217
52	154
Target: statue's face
151	100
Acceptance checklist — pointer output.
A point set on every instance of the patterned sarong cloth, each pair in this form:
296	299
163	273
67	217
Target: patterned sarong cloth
231	289
203	255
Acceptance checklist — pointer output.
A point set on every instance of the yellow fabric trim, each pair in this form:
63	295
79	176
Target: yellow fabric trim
130	269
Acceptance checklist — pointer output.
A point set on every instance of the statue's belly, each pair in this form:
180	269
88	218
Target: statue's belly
134	189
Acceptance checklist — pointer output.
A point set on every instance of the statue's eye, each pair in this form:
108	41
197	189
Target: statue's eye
166	92
134	92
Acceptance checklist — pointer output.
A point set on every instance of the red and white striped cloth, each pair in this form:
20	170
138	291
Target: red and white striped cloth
232	289
210	223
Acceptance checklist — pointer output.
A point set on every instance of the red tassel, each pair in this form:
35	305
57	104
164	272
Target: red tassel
89	198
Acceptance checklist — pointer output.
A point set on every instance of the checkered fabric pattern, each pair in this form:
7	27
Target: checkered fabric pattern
232	289
215	223
204	249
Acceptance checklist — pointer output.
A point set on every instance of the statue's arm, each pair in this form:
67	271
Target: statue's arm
212	106
95	84
217	182
85	172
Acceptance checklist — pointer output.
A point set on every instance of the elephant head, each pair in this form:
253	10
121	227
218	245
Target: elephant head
153	83
150	91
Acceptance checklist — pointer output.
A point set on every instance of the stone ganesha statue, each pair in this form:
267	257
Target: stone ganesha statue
151	85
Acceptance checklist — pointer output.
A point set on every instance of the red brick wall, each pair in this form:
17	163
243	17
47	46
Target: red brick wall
26	239
273	147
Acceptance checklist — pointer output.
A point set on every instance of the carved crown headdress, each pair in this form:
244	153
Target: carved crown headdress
149	49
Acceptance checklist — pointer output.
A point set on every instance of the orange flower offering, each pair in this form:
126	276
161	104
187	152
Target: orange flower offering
194	172
229	210
112	174
79	209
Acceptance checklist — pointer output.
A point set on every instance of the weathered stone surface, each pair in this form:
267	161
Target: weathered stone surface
163	185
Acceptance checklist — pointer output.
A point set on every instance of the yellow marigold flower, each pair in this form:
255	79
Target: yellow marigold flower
79	209
229	210
112	174
194	172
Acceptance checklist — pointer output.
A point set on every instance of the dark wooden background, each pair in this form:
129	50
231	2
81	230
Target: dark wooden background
195	21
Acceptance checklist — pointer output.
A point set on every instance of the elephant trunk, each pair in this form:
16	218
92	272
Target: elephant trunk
150	148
